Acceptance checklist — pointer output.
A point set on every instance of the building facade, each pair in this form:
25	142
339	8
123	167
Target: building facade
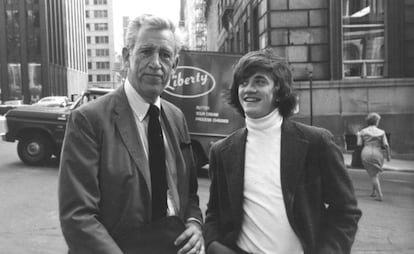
100	43
42	49
349	58
193	24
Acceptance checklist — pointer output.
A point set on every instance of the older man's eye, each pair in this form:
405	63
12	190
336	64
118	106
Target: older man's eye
146	52
166	54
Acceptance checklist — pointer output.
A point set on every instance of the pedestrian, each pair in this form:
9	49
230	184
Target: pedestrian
374	141
277	186
127	162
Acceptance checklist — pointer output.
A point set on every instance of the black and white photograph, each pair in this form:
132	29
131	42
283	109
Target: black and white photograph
206	126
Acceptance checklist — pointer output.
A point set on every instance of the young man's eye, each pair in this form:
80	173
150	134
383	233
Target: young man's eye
243	83
261	82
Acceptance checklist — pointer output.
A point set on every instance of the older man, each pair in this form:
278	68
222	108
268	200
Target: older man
127	162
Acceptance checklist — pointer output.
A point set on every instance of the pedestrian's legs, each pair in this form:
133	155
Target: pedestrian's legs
373	191
377	186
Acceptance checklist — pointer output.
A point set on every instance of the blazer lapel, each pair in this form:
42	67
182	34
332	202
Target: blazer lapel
124	120
234	154
293	154
173	135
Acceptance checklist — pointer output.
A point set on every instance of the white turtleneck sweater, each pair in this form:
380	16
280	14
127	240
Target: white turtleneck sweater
265	227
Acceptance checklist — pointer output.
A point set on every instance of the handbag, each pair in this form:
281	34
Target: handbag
154	238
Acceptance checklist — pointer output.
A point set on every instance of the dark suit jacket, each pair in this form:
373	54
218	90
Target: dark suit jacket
317	191
104	182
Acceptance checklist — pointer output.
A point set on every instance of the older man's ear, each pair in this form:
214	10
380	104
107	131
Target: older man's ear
125	57
177	60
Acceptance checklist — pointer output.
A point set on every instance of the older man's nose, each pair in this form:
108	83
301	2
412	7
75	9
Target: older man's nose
155	61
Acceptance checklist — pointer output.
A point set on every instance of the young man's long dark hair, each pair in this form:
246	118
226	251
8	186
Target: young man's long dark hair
265	60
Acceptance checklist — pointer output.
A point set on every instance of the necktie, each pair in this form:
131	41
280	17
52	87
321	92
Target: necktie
157	164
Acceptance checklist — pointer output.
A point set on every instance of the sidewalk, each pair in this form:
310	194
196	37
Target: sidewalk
393	165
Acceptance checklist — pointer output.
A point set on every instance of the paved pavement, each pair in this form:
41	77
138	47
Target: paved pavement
2	124
393	165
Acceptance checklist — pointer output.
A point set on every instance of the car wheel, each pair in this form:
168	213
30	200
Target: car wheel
34	150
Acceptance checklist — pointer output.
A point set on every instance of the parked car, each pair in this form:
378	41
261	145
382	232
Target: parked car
53	101
40	130
7	105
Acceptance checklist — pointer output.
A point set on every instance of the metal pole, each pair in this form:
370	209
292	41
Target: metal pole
310	97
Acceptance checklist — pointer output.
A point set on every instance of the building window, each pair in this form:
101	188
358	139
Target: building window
101	39
90	78
103	77
100	13
101	27
102	52
87	14
89	65
88	39
255	29
89	52
88	27
100	2
363	38
245	37
102	65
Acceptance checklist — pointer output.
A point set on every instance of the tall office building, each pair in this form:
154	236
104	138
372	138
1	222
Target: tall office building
100	43
42	49
193	23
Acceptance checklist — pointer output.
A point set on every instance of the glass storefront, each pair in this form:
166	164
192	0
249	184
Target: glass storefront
17	88
34	50
13	50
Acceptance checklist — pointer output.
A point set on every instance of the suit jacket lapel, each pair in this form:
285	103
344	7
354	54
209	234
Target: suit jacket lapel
129	134
293	154
234	156
172	134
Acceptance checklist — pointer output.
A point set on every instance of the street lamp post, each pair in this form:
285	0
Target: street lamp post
310	96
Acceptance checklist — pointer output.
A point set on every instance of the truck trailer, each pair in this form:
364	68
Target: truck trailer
200	88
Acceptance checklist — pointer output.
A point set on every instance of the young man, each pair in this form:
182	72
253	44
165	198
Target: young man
112	180
278	187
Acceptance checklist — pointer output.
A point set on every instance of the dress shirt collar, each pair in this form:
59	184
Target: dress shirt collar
136	102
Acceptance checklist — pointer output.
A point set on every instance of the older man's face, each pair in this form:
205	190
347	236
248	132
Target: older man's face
152	61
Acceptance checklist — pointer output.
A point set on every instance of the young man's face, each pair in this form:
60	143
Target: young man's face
256	95
152	61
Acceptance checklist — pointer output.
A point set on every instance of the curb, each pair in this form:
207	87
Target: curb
388	168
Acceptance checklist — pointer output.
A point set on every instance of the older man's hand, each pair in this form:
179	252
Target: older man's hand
192	238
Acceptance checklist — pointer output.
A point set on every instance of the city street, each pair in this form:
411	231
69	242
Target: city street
29	219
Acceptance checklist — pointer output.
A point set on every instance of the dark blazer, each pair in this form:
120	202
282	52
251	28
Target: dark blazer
317	191
104	181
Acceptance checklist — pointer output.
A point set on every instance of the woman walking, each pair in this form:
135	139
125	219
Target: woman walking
374	141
